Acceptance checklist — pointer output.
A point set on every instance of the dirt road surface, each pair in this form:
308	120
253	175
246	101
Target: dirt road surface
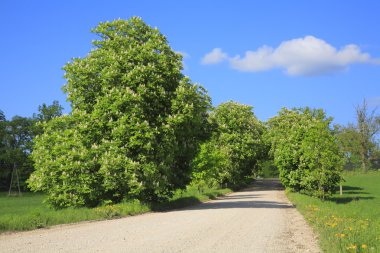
259	219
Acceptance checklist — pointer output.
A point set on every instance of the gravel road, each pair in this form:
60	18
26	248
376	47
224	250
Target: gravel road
259	219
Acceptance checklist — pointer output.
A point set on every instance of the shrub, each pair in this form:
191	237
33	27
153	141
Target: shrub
305	150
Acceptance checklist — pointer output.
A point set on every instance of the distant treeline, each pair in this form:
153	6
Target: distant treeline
16	144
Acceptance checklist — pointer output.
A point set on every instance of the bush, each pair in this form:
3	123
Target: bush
305	150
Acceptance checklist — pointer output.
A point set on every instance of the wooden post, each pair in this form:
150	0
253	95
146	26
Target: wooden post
10	185
18	181
14	171
341	189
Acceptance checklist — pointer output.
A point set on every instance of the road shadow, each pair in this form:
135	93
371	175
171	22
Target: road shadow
272	184
240	199
220	204
249	196
175	204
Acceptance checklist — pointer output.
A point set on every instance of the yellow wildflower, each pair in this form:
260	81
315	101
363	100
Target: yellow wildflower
364	246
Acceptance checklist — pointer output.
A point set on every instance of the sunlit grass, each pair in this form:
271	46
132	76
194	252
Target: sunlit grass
29	212
348	223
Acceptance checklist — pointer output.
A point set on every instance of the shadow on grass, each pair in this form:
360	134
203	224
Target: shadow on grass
350	194
212	195
355	192
352	188
345	200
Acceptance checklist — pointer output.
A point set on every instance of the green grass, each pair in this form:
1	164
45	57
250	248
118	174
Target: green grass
347	223
29	212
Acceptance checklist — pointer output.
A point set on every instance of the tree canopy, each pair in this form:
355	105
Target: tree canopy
233	153
305	150
360	141
135	126
368	126
48	112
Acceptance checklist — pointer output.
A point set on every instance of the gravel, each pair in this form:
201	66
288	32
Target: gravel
259	219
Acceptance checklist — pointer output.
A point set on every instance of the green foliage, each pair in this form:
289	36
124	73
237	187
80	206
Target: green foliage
232	154
368	126
65	168
3	148
349	143
16	144
268	170
48	112
359	142
305	150
16	141
135	126
2	116
348	222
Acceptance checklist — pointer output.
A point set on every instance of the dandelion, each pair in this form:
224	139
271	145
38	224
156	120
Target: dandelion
340	235
364	246
353	246
331	224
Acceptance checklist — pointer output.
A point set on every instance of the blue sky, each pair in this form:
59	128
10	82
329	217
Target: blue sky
268	54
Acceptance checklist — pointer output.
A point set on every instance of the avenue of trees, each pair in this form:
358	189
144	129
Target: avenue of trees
232	154
140	129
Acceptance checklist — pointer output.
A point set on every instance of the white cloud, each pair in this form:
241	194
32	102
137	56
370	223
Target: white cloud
215	56
306	56
259	60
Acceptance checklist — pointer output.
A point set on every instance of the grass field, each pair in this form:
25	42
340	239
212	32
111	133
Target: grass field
347	223
29	212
